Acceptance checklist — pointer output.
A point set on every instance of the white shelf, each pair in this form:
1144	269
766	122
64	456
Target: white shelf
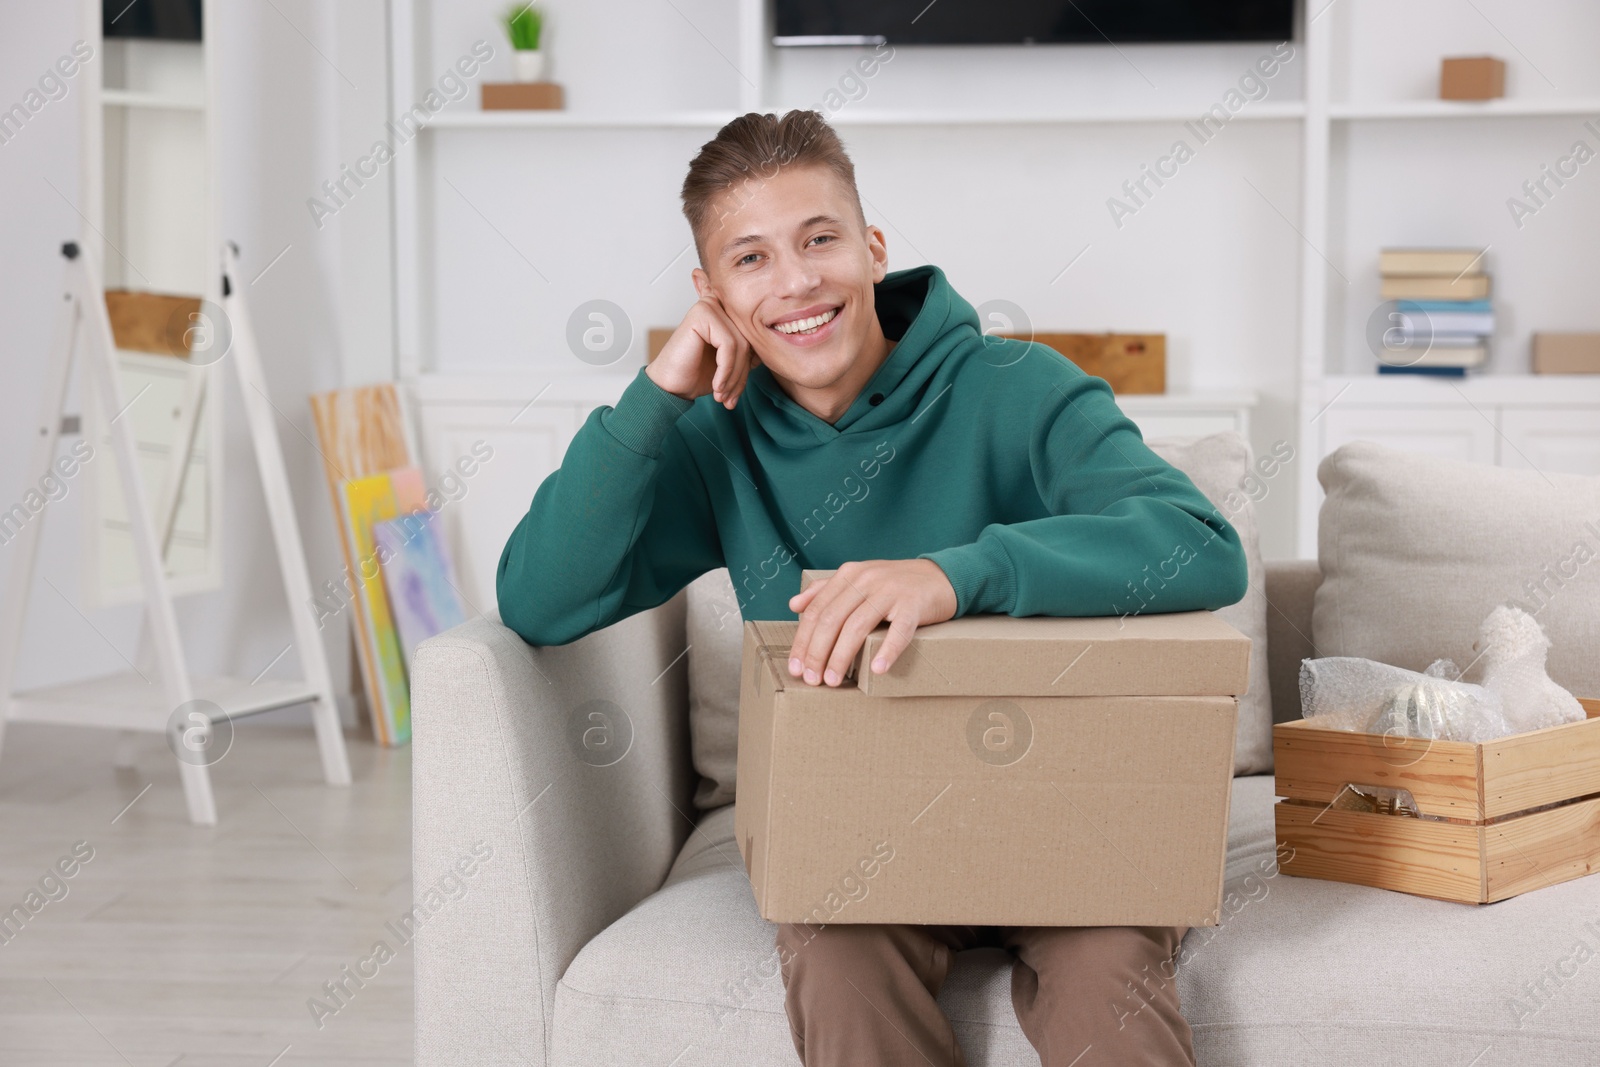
1413	390
154	101
1175	403
126	701
467	119
1461	109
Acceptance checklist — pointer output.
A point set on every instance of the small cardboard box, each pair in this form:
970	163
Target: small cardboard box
1562	353
1492	820
1472	78
1039	793
522	96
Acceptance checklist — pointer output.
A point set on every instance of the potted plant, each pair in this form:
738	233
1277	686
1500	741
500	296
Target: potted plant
523	23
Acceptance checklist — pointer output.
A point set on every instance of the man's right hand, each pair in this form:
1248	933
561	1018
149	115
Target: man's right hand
706	354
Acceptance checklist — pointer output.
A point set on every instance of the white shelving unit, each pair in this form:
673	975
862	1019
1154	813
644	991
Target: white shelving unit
1550	423
148	174
1319	123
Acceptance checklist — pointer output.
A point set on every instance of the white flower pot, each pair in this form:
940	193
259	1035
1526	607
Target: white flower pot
528	65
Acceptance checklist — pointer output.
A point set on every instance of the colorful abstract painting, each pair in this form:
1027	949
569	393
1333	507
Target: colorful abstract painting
417	575
366	503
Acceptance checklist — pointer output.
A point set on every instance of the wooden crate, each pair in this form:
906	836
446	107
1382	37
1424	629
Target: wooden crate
1499	818
1131	363
151	322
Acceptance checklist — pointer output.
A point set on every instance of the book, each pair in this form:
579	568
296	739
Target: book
1438	372
1448	262
1435	356
1443	305
1435	287
1422	318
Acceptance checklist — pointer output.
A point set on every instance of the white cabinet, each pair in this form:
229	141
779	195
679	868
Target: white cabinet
1549	423
1197	415
1450	433
1564	441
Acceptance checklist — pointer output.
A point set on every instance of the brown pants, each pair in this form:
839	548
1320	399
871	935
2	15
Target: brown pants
1086	996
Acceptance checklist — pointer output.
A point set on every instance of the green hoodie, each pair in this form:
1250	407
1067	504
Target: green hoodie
999	460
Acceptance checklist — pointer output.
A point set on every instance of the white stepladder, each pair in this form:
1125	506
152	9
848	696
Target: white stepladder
192	712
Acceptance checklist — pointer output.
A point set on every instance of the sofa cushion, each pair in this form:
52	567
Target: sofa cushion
1300	971
1416	550
715	633
1221	467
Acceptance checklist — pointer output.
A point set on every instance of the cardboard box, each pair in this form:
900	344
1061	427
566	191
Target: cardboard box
1566	353
1492	820
1186	653
522	96
1472	78
1009	804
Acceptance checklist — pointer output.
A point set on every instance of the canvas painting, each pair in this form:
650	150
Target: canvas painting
417	575
366	503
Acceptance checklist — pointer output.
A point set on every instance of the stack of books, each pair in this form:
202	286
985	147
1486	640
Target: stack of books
1441	317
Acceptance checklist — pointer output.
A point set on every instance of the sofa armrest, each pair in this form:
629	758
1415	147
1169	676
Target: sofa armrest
1291	588
524	846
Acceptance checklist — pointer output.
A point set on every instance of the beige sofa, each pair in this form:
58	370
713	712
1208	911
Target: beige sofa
612	923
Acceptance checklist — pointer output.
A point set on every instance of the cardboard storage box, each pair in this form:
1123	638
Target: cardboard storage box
1493	819
1472	78
1564	353
1036	772
522	96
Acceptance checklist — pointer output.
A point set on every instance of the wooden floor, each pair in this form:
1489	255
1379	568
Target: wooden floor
177	944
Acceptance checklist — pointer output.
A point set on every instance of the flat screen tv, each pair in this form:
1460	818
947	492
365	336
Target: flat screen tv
897	22
160	20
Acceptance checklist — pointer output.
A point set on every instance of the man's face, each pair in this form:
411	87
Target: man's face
791	247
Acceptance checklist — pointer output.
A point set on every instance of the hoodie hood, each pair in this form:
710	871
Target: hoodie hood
916	308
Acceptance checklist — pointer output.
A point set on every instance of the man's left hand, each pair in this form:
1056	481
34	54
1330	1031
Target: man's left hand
837	614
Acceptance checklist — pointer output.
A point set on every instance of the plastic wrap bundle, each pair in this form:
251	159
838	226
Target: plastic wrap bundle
1351	693
1512	648
1517	694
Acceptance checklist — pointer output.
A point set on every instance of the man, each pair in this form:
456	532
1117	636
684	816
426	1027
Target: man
942	473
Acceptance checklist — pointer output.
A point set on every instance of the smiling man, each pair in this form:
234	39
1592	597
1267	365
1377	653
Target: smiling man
814	410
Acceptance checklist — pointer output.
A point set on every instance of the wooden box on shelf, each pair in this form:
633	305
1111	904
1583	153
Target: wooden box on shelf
1132	363
1472	78
1494	819
151	322
1566	353
522	96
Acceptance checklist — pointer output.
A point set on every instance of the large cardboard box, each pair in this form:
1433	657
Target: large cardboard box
1473	823
1029	772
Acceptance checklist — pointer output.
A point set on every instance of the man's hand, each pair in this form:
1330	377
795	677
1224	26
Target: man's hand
838	613
705	354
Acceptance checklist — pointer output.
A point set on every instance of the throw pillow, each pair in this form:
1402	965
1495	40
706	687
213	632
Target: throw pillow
1416	550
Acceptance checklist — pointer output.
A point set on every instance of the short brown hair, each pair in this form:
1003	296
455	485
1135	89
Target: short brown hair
755	146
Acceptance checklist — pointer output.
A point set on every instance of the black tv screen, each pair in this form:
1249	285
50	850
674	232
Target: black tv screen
161	20
825	22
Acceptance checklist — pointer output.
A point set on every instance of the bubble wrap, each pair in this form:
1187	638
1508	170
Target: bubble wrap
1512	649
1351	693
